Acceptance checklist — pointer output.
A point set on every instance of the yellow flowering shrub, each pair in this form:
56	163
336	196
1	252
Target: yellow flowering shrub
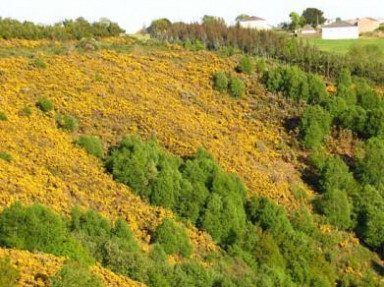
36	268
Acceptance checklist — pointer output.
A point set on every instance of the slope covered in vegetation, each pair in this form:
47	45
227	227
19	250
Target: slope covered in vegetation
78	129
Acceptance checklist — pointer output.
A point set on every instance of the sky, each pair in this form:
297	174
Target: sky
133	15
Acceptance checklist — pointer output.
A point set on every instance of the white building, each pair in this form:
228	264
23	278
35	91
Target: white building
340	30
255	23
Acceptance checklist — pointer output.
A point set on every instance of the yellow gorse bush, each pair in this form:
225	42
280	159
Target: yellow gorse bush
36	268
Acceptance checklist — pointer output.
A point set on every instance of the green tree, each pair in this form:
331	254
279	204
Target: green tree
314	126
313	17
38	228
334	204
73	274
296	21
370	162
173	238
335	175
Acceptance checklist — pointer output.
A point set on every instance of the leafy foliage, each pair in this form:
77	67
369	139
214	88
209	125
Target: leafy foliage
221	81
8	273
3	116
45	104
38	228
67	122
172	238
92	144
245	65
236	87
73	274
314	126
5	156
67	29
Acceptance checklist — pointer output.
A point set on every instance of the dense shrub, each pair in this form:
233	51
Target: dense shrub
245	65
172	238
318	93
74	274
45	104
334	204
335	175
92	145
236	87
67	122
221	81
370	162
38	228
39	63
315	125
5	156
269	216
3	116
196	188
293	83
8	273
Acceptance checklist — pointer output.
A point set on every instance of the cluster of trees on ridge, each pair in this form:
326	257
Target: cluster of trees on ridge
216	35
67	29
351	195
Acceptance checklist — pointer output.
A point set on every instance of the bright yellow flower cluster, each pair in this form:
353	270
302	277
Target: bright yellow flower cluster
36	268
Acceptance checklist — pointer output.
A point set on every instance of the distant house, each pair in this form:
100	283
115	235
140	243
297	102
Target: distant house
366	24
254	23
340	30
307	30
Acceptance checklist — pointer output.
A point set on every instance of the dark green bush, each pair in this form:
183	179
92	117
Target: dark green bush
245	65
370	162
37	228
147	169
335	175
92	145
335	205
236	87
318	93
172	238
221	81
9	275
5	156
67	122
269	216
74	274
315	125
45	104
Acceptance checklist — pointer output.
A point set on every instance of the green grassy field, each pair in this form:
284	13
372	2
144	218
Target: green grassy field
342	46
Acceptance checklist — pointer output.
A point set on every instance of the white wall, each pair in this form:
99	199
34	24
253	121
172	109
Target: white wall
261	25
340	33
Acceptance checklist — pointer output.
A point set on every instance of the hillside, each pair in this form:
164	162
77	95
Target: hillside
166	92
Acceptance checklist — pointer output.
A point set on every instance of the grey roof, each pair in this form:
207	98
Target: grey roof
252	18
339	24
308	28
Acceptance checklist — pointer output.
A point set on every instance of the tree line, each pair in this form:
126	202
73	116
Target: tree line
216	35
65	30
